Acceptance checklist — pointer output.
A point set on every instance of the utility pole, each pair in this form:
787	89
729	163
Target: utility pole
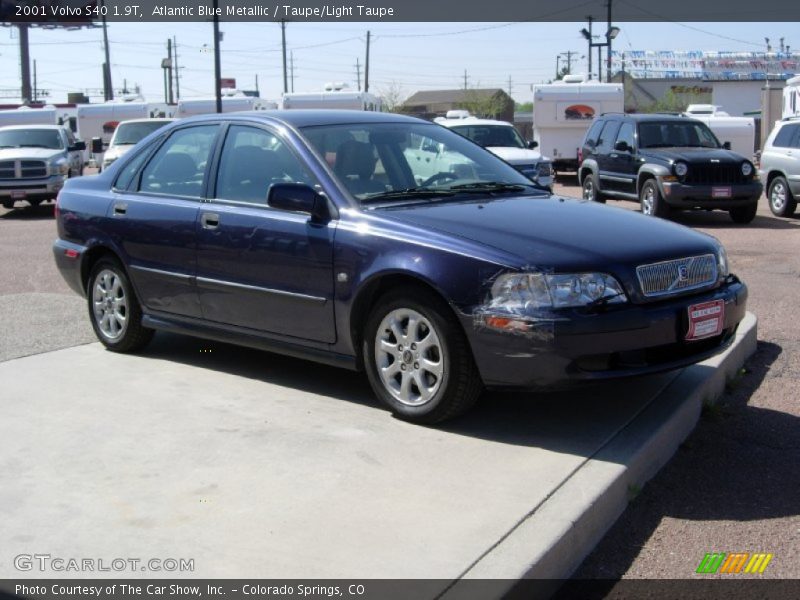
509	85
34	81
366	65
590	46
170	96
217	60
25	62
177	71
108	89
358	74
608	41
283	44
291	60
465	79
569	54
258	93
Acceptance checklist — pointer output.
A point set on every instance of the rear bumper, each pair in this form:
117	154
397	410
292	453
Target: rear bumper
69	261
678	195
591	346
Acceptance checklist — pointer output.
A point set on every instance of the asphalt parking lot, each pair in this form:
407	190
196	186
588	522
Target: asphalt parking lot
743	451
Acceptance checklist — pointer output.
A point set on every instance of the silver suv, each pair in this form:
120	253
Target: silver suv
780	167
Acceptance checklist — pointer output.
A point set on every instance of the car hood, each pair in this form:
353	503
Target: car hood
114	152
694	155
516	155
29	153
556	233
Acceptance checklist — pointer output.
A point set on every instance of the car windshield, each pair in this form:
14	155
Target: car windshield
132	133
670	134
403	161
491	135
30	138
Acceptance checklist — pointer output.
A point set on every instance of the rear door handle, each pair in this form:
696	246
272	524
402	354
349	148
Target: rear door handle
209	220
120	208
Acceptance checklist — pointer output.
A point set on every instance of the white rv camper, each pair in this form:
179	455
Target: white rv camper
335	95
740	132
49	115
204	106
563	112
791	98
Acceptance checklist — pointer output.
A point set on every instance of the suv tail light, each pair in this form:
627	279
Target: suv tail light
580	156
57	210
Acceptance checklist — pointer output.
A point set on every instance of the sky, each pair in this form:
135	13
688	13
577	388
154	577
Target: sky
405	57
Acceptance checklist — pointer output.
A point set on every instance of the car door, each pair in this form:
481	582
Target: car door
786	153
603	151
622	164
267	270
154	215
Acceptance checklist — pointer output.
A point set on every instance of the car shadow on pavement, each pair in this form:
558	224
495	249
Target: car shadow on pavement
29	213
739	464
575	422
721	220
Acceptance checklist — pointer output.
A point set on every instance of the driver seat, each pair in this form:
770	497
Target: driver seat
355	165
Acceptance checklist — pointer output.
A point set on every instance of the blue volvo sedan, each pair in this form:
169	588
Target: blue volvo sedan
388	244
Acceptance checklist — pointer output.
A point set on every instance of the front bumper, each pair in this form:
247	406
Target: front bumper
678	195
622	341
38	189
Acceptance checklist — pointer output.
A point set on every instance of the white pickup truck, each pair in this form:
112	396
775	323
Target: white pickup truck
35	160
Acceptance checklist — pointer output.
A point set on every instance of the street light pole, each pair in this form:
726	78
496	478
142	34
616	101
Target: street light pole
217	60
608	41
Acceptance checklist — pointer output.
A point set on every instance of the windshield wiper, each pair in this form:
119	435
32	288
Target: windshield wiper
408	193
491	186
36	146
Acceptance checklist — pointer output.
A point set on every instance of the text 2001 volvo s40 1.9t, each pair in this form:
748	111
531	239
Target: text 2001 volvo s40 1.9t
387	243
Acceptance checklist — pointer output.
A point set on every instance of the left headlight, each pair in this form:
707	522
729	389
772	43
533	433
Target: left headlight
681	168
59	167
722	262
522	292
747	169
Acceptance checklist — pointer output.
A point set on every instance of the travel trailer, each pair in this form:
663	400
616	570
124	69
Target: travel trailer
740	132
791	98
204	106
335	95
563	112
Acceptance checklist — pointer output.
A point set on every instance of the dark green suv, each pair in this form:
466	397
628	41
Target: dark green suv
666	162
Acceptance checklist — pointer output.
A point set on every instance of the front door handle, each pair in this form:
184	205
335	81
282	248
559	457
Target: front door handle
120	208
209	220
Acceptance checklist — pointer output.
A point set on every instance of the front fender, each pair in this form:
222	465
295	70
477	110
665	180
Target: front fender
649	171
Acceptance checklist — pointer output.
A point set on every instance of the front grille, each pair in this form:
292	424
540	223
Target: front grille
715	174
7	169
27	169
32	169
676	276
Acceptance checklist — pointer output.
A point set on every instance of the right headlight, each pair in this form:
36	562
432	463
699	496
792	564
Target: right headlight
747	169
520	293
722	262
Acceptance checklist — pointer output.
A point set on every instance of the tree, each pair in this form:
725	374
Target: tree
392	96
482	104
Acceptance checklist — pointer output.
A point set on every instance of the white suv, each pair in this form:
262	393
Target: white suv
780	167
502	139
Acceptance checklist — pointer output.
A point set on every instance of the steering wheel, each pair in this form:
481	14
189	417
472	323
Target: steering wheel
440	176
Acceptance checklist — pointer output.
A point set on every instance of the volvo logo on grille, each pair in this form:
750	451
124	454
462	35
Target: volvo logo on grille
683	272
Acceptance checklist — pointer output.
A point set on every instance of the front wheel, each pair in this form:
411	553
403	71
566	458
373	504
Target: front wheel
417	358
744	214
781	201
591	191
114	310
651	200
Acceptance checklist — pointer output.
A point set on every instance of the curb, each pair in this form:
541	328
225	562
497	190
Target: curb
555	539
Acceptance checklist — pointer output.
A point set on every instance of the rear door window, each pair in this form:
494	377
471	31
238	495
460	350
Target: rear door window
594	133
787	137
607	136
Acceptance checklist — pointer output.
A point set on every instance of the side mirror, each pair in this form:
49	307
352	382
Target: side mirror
298	197
77	146
622	146
532	144
726	145
97	145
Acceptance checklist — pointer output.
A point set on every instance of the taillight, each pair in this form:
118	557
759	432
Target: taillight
580	155
57	210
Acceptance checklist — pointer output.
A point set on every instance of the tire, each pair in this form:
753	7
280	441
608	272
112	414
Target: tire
9	204
35	203
781	201
744	214
114	311
591	191
651	201
450	382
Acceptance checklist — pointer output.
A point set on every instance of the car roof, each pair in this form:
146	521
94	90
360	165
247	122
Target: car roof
54	127
472	121
639	117
303	117
154	120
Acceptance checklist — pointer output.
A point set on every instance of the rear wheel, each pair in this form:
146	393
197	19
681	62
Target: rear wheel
781	201
591	190
114	310
9	204
744	214
35	202
418	359
651	200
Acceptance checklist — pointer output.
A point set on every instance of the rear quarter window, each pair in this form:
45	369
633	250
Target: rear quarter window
594	133
787	137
